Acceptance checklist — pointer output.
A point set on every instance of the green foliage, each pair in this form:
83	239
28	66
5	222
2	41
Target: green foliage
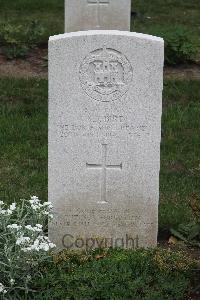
179	176
190	232
23	135
115	274
17	40
23	245
167	14
179	48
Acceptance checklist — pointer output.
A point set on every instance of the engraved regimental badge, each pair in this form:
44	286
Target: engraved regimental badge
105	74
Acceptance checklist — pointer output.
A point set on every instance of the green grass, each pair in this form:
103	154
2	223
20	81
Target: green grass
49	13
116	274
180	173
23	147
23	136
165	13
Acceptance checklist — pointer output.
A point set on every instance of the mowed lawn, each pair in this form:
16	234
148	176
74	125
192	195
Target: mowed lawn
23	145
149	15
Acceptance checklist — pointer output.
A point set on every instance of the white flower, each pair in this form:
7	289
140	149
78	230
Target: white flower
36	205
2	288
22	240
12	281
5	212
34	200
14	226
45	213
41	243
44	246
48	204
52	245
29	227
37	228
13	206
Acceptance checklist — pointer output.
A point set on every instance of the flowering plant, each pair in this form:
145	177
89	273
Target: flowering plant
23	244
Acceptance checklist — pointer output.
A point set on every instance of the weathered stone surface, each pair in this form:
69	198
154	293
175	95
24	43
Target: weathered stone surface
105	102
97	14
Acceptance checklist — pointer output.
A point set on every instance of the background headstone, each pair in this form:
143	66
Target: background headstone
97	14
105	102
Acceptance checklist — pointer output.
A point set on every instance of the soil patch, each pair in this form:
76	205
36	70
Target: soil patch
35	65
188	71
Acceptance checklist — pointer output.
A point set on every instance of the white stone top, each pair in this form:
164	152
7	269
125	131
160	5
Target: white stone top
97	15
106	32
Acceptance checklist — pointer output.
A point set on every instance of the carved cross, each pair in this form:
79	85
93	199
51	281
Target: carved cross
98	4
103	167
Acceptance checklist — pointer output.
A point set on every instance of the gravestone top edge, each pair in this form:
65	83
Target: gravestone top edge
97	15
106	32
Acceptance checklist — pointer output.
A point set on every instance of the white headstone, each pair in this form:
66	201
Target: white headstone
97	14
105	103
